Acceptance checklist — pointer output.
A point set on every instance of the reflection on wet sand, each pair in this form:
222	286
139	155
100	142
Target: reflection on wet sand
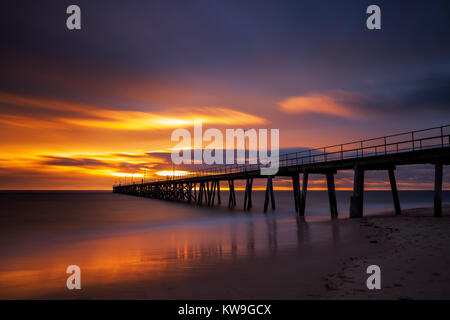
156	253
271	233
335	231
302	230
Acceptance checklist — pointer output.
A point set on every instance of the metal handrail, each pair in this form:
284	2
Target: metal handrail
320	155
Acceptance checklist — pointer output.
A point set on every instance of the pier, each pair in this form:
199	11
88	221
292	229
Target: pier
202	187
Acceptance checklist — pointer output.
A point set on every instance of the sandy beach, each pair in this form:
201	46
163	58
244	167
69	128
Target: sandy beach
412	252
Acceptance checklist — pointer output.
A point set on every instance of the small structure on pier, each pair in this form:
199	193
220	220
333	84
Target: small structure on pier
429	146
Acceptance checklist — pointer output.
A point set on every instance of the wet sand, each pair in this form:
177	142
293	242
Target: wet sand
413	252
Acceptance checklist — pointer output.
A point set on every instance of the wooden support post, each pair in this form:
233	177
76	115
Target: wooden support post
272	196
213	193
394	191
302	204
232	198
218	192
230	195
246	194
210	191
234	195
175	192
266	199
200	192
296	189
357	199
269	194
438	171
250	203
332	195
195	191
207	192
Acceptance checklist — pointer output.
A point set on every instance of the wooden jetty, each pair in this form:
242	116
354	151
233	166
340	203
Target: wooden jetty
428	146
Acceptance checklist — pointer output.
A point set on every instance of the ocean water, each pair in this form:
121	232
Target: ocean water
117	239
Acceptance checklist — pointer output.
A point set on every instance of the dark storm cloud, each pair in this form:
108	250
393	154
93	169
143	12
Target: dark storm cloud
424	94
431	92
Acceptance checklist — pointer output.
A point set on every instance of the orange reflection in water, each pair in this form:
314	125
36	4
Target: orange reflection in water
127	257
102	261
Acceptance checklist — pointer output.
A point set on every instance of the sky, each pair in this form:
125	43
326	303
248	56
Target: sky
83	109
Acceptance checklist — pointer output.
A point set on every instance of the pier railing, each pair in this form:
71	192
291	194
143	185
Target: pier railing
436	137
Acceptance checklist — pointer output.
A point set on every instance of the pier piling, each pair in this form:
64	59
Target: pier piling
438	171
302	206
332	195
296	190
269	194
394	191
357	199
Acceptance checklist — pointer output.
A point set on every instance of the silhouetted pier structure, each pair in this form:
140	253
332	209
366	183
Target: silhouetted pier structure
428	146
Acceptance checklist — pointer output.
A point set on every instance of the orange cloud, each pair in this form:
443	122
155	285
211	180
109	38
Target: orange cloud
174	118
322	103
96	117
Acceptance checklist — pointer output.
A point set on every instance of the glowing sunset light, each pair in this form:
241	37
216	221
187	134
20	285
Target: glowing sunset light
134	120
168	173
80	114
319	103
128	175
